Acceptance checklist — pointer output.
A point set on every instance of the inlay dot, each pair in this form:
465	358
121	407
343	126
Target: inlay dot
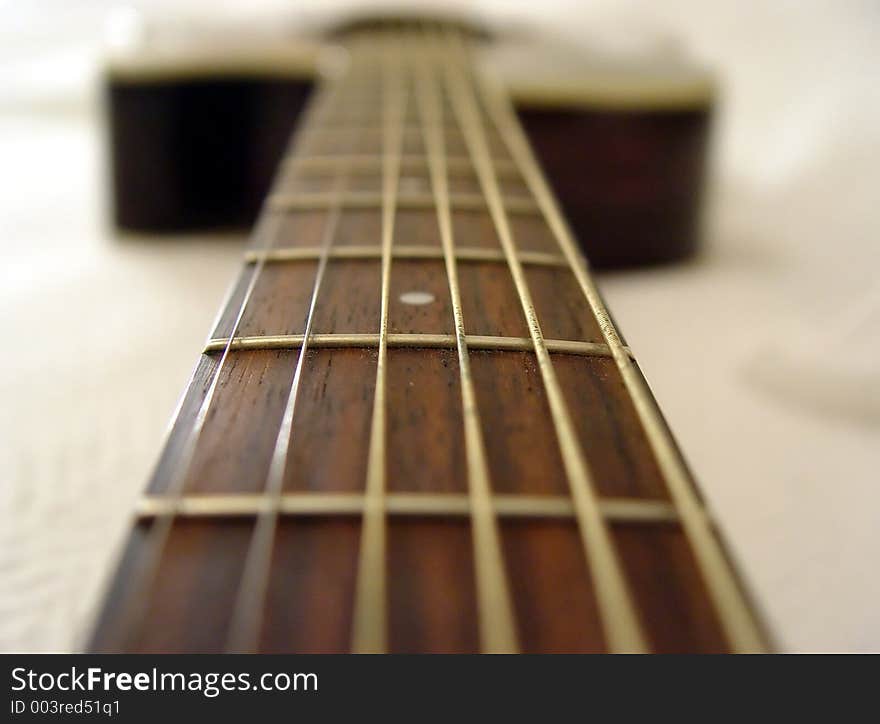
417	298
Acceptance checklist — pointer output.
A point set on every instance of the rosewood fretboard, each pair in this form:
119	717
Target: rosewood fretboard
414	426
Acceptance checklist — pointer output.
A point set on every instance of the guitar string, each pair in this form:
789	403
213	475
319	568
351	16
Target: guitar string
249	610
369	625
620	621
300	201
740	626
497	626
137	598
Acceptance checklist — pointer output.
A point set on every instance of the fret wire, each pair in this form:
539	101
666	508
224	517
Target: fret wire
742	630
366	162
622	510
497	624
407	251
619	618
369	627
409	341
317	200
331	133
137	598
248	613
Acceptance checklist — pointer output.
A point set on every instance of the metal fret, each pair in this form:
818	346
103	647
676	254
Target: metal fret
739	624
498	632
621	624
404	251
368	163
618	510
335	132
408	341
318	201
336	136
369	628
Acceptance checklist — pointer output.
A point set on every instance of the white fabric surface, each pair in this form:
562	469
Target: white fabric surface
764	354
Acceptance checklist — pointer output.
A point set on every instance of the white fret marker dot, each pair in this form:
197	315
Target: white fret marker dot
417	298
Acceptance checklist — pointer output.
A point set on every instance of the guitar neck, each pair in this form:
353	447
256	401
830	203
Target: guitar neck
414	426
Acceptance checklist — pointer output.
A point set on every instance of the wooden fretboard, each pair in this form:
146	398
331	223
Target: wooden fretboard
415	426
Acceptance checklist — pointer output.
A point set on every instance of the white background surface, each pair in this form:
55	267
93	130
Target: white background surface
764	354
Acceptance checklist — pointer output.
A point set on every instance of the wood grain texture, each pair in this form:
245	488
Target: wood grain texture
611	436
556	608
190	606
169	463
520	441
331	426
431	599
313	616
235	447
661	569
425	428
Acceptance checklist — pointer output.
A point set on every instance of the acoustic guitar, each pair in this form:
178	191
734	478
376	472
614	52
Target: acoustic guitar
415	426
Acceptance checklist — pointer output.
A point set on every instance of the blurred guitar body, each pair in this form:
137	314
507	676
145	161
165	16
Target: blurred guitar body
197	130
